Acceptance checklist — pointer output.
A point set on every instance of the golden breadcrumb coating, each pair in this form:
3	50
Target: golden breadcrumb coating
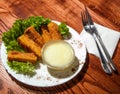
29	45
22	56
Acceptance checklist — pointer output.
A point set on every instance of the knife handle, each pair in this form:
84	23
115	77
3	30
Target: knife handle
105	65
110	61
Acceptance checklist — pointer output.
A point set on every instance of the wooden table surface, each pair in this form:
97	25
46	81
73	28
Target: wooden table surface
92	79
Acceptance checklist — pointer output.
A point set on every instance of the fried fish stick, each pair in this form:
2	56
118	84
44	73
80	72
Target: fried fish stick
46	35
56	36
53	29
21	56
29	45
34	35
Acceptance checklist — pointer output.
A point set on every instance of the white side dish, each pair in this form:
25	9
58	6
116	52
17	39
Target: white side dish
58	54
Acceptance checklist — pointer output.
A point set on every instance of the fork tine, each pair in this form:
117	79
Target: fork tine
84	18
90	21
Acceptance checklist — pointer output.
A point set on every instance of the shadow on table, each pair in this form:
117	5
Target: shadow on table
59	88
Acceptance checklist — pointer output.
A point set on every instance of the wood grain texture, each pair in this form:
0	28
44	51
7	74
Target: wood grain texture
92	79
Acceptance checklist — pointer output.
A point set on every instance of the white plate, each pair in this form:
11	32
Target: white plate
45	77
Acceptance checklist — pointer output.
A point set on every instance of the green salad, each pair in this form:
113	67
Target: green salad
10	40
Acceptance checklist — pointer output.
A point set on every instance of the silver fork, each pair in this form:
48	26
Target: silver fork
93	28
89	27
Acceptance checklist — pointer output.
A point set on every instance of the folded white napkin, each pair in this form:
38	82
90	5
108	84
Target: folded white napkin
110	38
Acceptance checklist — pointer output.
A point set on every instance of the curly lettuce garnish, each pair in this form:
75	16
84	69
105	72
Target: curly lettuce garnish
22	67
64	31
13	45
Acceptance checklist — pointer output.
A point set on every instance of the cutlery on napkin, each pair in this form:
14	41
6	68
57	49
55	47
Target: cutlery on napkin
110	38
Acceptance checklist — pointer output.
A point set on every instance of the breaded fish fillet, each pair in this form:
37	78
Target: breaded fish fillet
46	35
53	29
20	56
29	45
34	35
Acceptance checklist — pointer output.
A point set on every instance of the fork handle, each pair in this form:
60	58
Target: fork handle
106	67
106	53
